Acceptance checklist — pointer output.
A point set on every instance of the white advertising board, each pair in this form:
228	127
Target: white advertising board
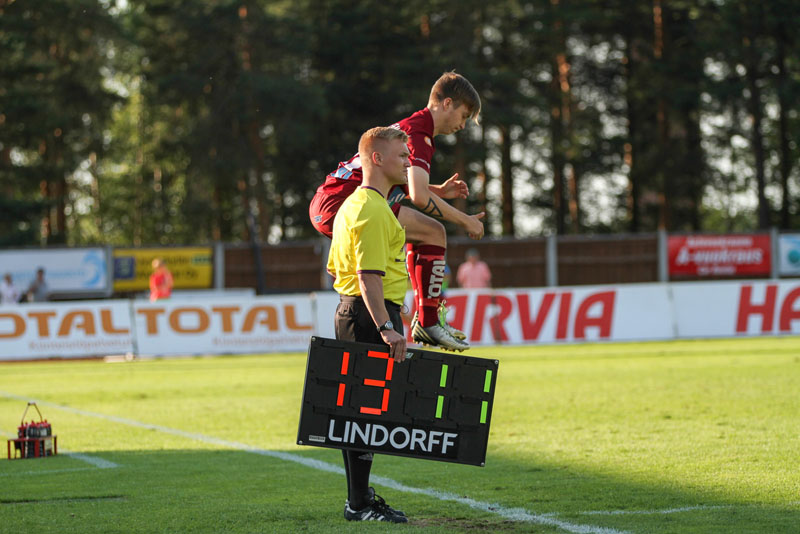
73	271
562	314
223	325
325	303
732	309
74	329
243	324
789	255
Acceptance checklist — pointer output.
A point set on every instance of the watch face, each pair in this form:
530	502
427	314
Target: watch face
387	326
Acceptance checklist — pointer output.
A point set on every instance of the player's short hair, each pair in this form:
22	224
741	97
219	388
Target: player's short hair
383	133
455	86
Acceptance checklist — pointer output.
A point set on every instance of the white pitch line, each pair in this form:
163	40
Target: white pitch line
657	512
513	514
93	460
96	461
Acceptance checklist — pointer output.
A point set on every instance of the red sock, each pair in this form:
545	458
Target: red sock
430	274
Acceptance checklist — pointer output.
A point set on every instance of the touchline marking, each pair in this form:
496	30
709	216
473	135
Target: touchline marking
95	461
513	514
656	512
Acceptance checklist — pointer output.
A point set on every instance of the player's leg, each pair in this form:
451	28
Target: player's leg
429	241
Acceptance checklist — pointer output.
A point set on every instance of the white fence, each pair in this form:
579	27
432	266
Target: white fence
223	324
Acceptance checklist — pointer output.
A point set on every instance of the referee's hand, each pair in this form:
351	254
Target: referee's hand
397	344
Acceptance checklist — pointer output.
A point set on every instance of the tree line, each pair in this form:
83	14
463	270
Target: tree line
187	121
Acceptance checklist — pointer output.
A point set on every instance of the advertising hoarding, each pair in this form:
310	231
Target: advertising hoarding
719	255
68	271
789	255
65	329
191	267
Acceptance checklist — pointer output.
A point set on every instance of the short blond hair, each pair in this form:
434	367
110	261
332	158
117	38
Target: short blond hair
454	86
366	145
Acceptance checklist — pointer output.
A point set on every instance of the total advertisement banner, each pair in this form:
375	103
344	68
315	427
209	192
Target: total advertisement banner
68	329
223	325
789	255
259	325
73	271
719	255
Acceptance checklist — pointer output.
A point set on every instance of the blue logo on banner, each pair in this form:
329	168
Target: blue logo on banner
124	268
793	254
96	269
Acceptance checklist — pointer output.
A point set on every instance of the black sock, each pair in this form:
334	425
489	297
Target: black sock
346	471
357	465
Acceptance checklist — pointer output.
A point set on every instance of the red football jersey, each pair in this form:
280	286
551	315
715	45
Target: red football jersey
348	176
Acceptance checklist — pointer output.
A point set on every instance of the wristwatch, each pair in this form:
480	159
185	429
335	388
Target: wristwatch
386	326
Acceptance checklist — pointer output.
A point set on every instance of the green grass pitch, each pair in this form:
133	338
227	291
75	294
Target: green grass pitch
676	437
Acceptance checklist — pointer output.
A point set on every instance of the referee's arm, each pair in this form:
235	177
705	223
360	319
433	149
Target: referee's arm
372	292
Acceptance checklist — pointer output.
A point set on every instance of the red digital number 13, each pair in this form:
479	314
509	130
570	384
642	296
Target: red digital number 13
369	382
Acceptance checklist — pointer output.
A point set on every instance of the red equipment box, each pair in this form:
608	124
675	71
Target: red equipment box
34	439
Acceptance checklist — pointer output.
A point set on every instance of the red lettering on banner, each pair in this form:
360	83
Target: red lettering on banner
83	319
458	305
226	313
747	308
42	321
788	312
479	317
531	330
563	315
202	320
270	319
496	321
19	325
291	319
506	307
601	321
108	327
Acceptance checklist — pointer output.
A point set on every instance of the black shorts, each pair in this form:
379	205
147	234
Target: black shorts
354	323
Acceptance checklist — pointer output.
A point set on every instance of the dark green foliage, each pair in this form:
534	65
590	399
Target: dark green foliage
53	106
169	121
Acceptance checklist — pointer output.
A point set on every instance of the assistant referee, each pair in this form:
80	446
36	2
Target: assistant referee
367	258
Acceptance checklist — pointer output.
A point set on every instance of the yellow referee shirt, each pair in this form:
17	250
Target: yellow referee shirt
367	238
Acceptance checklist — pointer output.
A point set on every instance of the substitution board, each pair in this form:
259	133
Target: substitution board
433	405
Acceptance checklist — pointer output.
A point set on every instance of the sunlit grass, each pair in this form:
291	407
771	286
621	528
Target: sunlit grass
580	431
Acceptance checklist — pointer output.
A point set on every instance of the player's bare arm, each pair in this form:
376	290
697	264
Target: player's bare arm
432	205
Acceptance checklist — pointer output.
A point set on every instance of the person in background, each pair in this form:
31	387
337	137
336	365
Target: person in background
38	290
8	293
160	281
474	273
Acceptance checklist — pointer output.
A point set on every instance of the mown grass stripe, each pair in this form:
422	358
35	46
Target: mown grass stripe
512	514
